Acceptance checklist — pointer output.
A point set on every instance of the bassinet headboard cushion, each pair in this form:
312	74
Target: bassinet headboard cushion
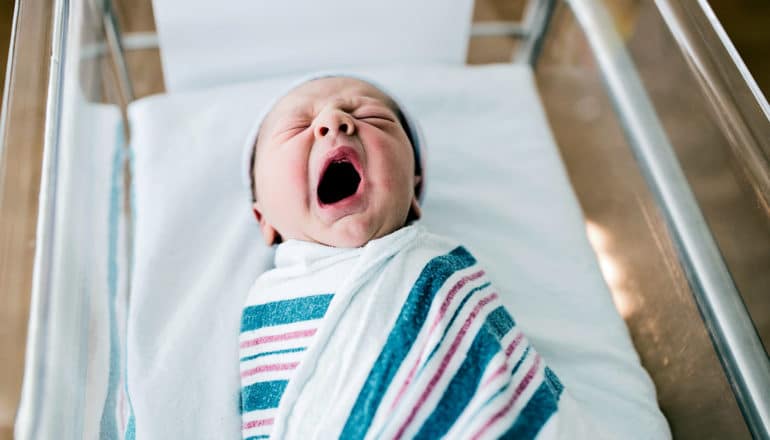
205	43
497	185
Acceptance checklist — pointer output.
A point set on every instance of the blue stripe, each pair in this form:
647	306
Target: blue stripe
262	395
449	326
268	353
285	312
521	360
108	426
531	419
131	427
408	324
499	322
553	381
257	437
465	382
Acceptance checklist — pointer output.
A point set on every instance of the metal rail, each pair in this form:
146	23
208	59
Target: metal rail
732	332
32	407
537	17
499	29
531	30
115	46
129	41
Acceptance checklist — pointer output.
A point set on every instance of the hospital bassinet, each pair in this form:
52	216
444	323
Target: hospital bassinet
638	95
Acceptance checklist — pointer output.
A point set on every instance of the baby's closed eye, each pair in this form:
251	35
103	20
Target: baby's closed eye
373	115
293	127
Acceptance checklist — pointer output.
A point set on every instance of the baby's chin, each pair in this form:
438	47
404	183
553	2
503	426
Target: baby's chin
353	232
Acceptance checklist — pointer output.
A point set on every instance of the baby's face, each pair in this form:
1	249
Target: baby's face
333	165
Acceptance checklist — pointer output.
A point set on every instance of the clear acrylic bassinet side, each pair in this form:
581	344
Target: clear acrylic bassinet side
630	229
21	149
79	263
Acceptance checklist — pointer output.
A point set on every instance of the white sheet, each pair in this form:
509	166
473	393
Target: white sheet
496	184
205	43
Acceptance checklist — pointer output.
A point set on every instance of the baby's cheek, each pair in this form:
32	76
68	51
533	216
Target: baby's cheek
281	179
296	169
402	167
294	179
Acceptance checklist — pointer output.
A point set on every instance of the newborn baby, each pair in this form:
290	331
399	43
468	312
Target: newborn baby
370	326
334	165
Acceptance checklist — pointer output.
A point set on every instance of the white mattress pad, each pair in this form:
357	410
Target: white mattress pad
495	183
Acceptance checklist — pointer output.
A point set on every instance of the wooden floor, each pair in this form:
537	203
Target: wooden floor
634	249
11	340
746	21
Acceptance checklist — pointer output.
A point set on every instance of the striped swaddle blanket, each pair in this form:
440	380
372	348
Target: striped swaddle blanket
274	337
403	338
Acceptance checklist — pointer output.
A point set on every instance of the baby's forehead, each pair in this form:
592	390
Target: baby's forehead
311	94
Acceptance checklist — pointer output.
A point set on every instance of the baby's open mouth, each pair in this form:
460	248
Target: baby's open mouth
339	181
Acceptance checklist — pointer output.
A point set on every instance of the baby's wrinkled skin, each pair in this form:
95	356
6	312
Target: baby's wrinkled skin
330	120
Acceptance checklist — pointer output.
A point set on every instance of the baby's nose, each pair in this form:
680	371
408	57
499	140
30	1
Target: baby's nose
332	122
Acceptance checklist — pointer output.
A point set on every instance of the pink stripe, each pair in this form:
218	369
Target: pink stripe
450	296
519	390
442	311
445	362
281	337
503	368
271	367
256	423
512	346
406	383
495	375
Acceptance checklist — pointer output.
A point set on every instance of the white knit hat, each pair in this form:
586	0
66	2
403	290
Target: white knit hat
411	127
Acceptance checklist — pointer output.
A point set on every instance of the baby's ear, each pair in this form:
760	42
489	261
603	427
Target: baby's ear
415	212
417	184
269	234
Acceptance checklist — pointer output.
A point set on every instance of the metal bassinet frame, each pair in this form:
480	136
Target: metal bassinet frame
723	79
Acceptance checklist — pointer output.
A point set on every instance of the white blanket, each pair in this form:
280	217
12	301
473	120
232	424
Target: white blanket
416	342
